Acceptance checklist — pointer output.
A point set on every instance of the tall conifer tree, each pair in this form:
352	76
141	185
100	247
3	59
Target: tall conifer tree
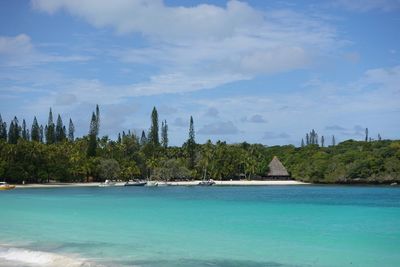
92	145
143	139
35	130
153	136
71	130
50	129
3	129
60	134
191	144
97	120
14	132
164	134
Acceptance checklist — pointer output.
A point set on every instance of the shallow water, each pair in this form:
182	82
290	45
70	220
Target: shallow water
201	226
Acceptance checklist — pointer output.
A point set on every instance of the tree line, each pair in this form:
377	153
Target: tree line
40	154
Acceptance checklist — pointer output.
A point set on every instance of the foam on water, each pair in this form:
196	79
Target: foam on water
17	256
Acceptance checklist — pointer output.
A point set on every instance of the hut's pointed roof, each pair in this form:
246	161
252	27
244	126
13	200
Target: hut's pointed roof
276	168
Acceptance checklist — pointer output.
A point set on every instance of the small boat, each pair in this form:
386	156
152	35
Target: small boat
207	182
107	183
136	183
152	183
5	186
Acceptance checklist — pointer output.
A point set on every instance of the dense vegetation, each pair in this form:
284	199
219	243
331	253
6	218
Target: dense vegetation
51	153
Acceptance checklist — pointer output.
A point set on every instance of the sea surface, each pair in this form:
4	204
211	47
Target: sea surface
174	226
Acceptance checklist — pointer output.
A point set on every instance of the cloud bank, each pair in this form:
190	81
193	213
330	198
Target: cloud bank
205	46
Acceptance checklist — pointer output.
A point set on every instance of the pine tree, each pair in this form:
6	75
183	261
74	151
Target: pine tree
3	129
35	130
60	134
50	129
11	137
307	139
314	137
153	136
14	132
143	139
379	137
24	133
164	134
302	142
191	145
91	150
119	138
366	134
322	141
333	141
71	130
97	120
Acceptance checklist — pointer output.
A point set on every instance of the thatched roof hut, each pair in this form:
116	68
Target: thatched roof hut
276	169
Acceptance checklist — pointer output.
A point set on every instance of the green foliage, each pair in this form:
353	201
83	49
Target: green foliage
171	169
91	158
108	169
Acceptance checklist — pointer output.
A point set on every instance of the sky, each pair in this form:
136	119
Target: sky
258	71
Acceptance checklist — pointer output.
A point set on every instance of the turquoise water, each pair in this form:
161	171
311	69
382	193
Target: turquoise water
201	226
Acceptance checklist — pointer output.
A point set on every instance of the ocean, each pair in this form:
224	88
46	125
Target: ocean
174	226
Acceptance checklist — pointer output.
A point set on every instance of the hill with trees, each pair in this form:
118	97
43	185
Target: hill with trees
52	153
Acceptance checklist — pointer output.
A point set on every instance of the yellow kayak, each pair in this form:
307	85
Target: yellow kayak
5	186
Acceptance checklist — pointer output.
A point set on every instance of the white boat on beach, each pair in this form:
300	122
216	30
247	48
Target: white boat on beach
6	186
107	183
152	183
207	182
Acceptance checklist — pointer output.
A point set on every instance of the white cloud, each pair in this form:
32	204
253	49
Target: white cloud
204	46
19	51
156	20
371	100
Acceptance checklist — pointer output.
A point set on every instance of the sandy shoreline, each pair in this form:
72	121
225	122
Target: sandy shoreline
185	183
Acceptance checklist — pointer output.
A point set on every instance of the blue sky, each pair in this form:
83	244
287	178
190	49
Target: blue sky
260	71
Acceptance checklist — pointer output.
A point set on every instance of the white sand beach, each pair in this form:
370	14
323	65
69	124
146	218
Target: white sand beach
243	182
180	183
